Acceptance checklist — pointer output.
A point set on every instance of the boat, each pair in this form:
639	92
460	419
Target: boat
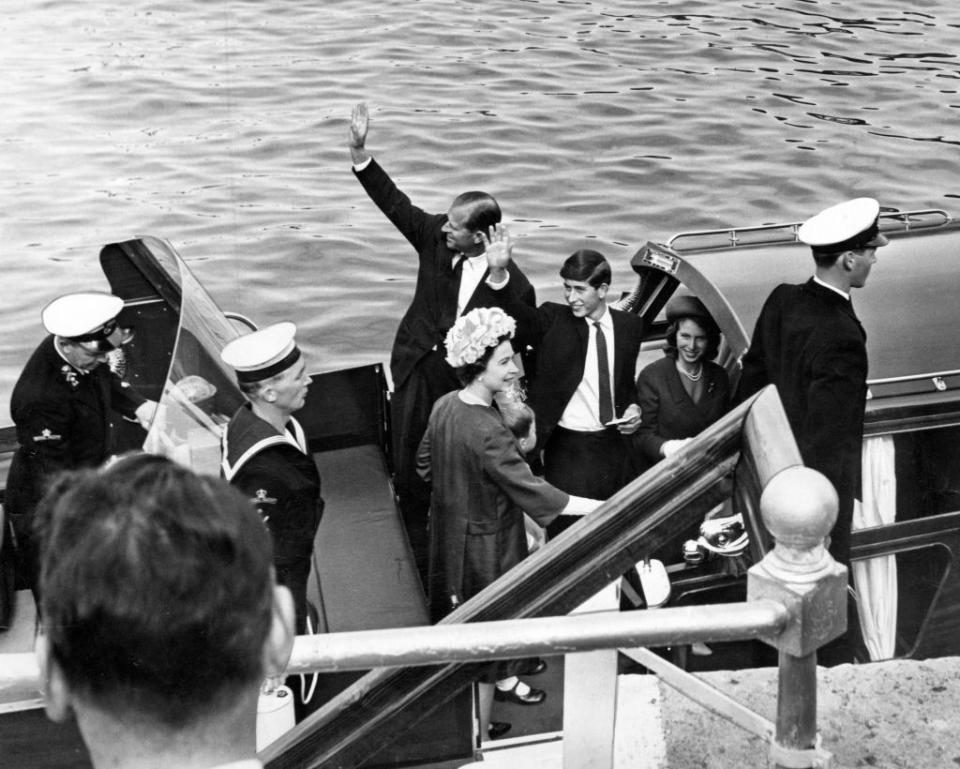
914	407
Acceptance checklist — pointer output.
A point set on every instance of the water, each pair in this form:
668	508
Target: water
221	126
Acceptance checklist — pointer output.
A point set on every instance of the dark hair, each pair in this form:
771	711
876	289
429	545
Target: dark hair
250	389
483	210
518	417
588	266
826	258
156	588
710	328
468	372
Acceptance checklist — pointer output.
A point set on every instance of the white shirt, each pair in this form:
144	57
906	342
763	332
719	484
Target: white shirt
583	409
844	294
473	269
249	763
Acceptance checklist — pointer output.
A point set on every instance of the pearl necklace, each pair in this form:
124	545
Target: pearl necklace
692	377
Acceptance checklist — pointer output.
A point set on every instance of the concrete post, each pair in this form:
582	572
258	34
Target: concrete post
799	508
590	696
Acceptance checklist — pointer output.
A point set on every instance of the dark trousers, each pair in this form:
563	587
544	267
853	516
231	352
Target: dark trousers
294	573
585	465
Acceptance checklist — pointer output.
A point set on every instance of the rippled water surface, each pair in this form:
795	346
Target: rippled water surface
221	126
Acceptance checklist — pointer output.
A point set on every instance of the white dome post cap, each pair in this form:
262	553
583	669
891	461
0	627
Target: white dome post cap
799	508
262	353
843	222
80	313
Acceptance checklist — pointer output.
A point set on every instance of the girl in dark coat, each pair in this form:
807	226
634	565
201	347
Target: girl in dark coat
684	392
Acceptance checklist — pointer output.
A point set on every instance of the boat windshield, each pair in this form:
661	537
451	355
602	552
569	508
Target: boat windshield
199	393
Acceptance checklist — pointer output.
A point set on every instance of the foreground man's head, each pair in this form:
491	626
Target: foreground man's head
159	614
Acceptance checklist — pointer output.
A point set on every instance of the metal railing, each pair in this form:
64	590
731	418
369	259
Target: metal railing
769	234
540	636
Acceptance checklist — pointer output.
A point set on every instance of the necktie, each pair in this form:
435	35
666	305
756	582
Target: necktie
603	371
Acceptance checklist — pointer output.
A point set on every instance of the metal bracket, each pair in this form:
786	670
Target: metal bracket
795	758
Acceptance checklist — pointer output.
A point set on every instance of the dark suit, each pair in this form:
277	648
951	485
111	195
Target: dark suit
420	373
65	420
810	344
668	411
584	464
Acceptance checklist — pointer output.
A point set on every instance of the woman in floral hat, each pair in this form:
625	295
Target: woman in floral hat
482	485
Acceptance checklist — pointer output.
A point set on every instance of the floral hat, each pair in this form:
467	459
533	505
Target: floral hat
474	332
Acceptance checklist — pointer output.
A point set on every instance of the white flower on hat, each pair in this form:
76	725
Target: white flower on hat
474	332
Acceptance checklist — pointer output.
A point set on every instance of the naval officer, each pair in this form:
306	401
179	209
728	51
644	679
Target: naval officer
64	404
265	455
809	342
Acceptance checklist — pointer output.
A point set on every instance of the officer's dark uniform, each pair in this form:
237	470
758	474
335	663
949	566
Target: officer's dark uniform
65	419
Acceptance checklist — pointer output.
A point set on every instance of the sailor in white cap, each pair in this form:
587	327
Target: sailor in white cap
810	344
63	404
265	454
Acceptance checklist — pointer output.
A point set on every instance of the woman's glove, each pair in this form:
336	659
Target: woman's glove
669	448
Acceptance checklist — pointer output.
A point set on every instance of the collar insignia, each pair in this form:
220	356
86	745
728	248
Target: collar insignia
261	498
70	375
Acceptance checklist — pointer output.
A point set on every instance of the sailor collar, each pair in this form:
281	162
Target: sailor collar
247	435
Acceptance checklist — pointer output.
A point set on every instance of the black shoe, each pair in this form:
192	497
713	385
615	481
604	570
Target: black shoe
496	729
532	697
534	667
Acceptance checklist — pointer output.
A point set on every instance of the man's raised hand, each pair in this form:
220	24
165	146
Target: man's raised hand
359	125
498	248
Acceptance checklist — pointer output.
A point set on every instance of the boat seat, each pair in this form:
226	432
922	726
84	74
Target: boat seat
365	576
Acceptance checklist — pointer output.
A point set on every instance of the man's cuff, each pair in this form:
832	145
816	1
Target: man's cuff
363	165
496	286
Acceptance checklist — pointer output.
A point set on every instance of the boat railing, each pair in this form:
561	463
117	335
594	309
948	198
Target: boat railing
773	234
937	379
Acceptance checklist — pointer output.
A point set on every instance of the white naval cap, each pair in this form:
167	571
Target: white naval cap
848	225
264	353
82	314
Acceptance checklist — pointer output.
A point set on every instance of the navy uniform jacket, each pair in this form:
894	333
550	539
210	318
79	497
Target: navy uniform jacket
65	420
667	410
560	341
280	477
810	344
434	307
